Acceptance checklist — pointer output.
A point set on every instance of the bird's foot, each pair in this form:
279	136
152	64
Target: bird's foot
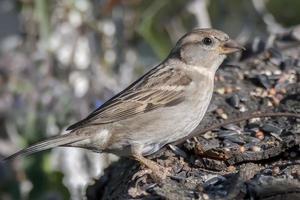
157	173
138	175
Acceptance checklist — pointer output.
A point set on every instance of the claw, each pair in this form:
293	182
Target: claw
158	173
141	173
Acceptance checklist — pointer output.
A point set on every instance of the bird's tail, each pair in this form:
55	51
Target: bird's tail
46	144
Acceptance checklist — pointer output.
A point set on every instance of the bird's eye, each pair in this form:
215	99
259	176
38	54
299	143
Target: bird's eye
207	41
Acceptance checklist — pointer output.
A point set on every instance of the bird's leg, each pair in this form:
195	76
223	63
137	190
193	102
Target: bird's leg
158	172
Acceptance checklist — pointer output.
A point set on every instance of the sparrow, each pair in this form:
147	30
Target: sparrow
164	105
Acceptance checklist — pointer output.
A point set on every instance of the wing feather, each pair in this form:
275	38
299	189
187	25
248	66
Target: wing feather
163	86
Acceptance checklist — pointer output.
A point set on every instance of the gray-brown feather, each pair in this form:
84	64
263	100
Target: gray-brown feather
145	95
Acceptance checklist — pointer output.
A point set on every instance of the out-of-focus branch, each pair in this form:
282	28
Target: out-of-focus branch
272	25
199	9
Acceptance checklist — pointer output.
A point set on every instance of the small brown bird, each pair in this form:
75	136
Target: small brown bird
162	106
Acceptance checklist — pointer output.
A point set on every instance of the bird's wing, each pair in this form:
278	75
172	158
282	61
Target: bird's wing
163	86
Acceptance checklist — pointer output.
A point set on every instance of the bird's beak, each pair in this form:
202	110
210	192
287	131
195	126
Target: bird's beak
231	46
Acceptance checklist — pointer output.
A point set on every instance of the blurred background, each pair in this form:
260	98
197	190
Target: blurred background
61	59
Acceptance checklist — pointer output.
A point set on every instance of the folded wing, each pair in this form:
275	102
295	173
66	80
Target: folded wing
163	86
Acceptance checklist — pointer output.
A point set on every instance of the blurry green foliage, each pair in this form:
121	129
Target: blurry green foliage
155	17
286	12
44	181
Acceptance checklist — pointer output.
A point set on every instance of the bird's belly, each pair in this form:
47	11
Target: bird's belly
154	130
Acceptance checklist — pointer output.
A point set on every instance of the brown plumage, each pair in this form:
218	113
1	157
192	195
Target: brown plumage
142	96
162	106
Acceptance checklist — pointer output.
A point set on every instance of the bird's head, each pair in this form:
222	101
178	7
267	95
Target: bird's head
205	47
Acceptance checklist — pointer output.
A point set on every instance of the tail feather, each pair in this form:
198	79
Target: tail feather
45	145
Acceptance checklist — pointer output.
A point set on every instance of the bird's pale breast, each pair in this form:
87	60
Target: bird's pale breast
147	133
